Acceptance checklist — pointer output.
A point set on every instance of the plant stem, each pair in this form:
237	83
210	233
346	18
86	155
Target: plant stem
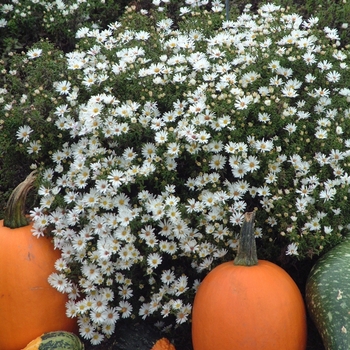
247	255
14	216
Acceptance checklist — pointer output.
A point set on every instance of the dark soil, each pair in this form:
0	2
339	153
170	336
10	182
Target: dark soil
141	336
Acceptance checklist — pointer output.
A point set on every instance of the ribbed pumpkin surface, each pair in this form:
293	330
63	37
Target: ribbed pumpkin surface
29	306
248	308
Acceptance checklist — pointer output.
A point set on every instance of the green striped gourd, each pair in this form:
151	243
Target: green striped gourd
56	341
328	297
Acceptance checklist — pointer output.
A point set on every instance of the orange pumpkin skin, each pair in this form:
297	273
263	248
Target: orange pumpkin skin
248	308
29	306
163	344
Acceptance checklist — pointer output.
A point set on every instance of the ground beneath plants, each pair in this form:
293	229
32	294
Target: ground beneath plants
141	336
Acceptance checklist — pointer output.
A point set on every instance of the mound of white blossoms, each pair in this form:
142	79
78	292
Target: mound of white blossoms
176	129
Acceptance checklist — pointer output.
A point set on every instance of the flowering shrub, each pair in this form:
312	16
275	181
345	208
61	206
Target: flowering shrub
57	20
175	130
27	98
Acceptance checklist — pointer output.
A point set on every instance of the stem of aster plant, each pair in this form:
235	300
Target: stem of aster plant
246	254
14	216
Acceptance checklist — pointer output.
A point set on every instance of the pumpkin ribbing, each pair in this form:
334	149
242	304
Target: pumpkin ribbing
29	306
247	306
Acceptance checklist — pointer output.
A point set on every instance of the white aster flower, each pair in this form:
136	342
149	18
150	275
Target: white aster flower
23	133
34	53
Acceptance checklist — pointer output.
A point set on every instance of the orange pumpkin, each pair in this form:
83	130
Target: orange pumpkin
163	344
248	304
29	306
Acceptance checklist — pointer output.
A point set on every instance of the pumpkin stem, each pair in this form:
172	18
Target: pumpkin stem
14	216
246	254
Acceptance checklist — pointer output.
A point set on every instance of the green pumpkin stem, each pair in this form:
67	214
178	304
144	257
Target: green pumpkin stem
14	216
246	254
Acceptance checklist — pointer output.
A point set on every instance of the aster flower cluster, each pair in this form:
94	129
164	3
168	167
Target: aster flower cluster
175	132
54	19
15	10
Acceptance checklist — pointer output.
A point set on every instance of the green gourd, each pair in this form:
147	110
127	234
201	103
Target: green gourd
59	340
328	297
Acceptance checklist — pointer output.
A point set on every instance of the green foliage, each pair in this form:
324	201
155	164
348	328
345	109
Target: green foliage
331	13
29	21
334	14
28	98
